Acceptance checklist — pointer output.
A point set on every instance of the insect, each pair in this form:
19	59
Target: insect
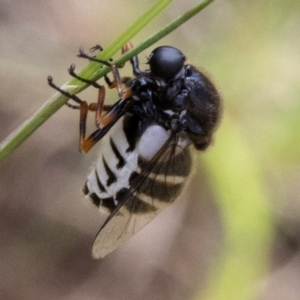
145	157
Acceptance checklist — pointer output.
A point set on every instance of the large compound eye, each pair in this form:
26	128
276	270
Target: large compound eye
165	62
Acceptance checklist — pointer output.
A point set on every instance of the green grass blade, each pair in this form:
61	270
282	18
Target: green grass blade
246	218
92	72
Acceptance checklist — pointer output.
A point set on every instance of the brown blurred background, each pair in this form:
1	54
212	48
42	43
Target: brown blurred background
46	228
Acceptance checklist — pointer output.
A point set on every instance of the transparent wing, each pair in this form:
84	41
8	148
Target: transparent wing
154	188
120	228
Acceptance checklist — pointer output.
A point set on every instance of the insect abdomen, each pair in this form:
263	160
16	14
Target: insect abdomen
126	170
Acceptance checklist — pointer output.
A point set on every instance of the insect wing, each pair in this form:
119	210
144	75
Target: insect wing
121	227
157	185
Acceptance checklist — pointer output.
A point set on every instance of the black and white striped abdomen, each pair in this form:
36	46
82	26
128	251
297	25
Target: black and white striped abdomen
129	170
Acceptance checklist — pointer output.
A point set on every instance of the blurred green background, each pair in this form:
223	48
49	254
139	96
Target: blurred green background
251	50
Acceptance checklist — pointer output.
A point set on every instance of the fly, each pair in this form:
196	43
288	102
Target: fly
145	160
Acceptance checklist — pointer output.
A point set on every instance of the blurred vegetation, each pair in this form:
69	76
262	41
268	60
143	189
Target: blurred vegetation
257	146
251	50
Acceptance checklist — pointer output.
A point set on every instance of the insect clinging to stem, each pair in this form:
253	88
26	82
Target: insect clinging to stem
145	159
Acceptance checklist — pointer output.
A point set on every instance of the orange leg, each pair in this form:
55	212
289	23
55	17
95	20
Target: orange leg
108	120
84	107
118	81
103	121
105	115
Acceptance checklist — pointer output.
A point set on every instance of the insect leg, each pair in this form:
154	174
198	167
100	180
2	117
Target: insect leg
134	60
82	54
83	108
98	107
85	144
73	74
96	48
71	96
105	123
118	81
113	112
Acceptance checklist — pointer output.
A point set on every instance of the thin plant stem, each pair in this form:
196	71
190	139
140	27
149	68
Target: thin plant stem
93	71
